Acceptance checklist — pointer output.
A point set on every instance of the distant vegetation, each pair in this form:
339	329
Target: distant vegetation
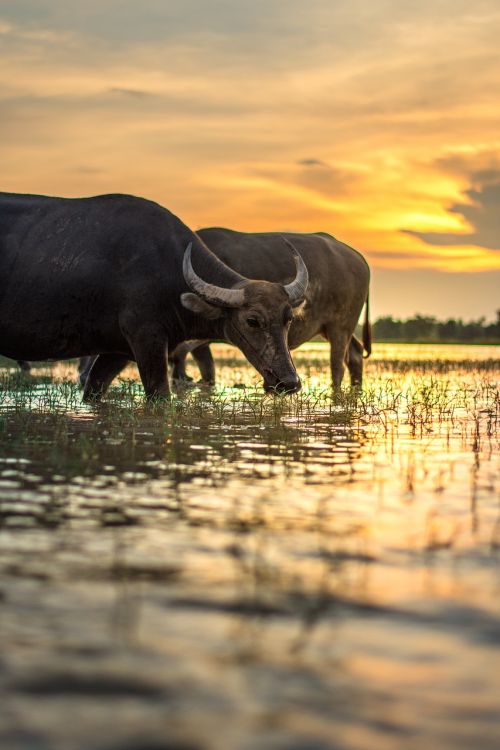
427	329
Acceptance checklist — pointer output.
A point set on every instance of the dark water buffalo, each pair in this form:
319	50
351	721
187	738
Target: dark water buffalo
339	280
113	276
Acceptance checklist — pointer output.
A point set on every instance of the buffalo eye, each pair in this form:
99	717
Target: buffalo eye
253	322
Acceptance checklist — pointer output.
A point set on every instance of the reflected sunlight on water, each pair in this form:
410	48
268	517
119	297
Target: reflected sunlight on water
413	352
242	571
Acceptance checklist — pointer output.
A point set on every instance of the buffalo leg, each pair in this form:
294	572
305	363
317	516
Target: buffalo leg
203	358
355	361
178	361
149	346
84	367
104	368
339	341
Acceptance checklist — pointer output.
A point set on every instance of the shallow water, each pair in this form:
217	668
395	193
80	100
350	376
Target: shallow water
237	571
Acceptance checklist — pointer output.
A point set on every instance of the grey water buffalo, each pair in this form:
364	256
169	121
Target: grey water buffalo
122	278
339	280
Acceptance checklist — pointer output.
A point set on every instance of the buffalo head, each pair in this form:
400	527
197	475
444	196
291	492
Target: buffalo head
255	316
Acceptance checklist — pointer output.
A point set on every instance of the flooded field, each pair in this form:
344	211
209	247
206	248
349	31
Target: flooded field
242	571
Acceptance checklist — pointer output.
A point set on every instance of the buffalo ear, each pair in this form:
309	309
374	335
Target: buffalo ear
200	307
298	307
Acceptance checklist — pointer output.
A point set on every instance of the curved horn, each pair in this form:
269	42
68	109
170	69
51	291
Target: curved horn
216	295
296	289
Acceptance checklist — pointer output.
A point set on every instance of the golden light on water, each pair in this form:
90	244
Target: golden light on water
326	565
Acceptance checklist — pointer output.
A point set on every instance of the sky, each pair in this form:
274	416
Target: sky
378	122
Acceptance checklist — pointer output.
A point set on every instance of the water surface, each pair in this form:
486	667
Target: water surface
247	572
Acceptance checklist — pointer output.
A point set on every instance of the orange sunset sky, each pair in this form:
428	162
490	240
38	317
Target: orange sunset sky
378	122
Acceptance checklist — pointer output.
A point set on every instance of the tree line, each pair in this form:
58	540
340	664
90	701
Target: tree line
428	329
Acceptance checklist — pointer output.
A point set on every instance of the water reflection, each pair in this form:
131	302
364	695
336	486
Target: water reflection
64	466
317	574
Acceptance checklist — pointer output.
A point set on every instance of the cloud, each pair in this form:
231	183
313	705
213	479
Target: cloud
85	169
134	93
477	166
482	212
326	180
344	111
312	163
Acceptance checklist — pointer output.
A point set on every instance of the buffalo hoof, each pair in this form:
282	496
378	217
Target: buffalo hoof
94	397
182	380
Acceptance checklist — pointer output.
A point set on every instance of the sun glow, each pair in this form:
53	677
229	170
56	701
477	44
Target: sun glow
353	132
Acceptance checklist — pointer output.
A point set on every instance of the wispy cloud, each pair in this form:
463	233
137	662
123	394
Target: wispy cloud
353	117
478	213
312	163
482	212
134	93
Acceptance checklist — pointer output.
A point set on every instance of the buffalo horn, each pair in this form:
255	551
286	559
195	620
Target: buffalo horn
216	295
296	289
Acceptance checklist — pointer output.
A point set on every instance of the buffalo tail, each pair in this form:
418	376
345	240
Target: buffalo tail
367	329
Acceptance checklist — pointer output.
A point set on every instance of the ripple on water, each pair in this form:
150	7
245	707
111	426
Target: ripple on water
276	573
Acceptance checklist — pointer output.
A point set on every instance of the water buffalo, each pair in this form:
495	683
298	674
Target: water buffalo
123	278
338	287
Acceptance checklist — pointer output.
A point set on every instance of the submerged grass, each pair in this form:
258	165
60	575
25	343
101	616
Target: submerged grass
415	398
418	393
